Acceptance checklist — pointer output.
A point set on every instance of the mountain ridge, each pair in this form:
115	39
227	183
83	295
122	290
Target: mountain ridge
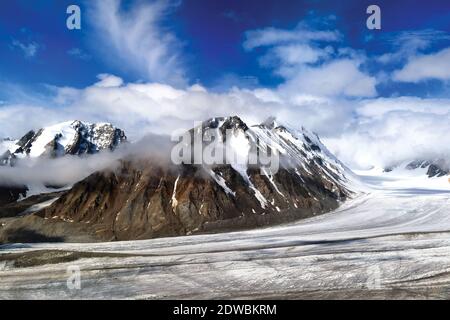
141	199
72	137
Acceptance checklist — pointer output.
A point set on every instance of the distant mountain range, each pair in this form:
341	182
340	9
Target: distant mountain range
432	167
71	137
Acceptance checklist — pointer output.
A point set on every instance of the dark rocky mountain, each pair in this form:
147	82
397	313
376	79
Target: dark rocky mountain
9	194
145	199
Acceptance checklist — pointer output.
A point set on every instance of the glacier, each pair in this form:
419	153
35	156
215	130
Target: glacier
391	242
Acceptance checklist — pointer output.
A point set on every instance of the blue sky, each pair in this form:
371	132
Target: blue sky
211	36
376	97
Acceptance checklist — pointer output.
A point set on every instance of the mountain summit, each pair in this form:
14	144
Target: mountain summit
66	138
71	137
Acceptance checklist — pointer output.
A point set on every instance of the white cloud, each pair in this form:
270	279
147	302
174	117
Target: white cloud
339	77
388	131
320	83
409	43
135	38
375	131
312	63
140	108
109	81
79	54
29	50
377	108
18	119
273	36
36	173
288	59
425	67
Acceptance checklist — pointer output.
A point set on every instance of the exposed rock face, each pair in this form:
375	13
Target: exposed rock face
10	194
435	168
143	199
151	202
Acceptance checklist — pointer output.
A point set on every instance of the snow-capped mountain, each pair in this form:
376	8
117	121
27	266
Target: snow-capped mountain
435	168
144	199
71	137
432	168
298	150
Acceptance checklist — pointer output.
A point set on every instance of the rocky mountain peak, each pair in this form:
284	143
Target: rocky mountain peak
435	167
71	137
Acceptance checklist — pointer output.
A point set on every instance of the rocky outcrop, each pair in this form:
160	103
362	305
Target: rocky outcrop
9	194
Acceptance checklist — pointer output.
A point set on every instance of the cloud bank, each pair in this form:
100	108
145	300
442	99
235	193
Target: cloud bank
374	131
312	61
426	67
41	174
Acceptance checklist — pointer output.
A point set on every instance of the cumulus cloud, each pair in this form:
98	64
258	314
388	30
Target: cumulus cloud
136	38
311	62
18	119
339	77
389	131
108	81
373	131
425	67
141	108
287	60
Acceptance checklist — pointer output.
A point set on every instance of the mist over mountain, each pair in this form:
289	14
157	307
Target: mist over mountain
52	157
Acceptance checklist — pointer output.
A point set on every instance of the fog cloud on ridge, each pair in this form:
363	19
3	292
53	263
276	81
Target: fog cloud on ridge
41	173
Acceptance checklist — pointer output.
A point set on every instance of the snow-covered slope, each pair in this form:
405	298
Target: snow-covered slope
298	150
71	137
